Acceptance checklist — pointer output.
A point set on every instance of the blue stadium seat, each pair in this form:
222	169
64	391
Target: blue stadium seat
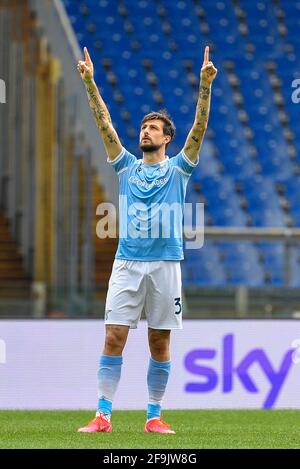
242	262
204	266
247	140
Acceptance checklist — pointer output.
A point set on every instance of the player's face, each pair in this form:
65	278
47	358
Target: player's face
152	136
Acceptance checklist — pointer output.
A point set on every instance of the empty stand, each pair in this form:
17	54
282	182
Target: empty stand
148	55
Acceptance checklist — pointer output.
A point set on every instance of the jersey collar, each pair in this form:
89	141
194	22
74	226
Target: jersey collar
156	165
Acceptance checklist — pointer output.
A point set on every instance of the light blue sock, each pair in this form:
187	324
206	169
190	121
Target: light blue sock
109	373
157	378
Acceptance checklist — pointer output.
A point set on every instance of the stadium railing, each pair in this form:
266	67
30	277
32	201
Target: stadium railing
241	300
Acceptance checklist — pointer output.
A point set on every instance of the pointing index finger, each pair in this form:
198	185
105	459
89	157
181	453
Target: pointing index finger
87	55
206	55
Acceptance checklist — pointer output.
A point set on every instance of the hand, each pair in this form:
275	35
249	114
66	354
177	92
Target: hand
86	69
208	70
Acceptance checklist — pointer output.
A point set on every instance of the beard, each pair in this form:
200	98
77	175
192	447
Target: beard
149	147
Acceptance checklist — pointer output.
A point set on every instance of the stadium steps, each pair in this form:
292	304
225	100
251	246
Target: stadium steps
14	281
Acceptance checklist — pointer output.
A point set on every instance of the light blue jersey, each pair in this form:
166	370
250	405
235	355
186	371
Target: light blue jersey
151	205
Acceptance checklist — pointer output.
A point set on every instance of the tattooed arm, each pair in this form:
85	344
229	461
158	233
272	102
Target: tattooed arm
102	117
110	138
195	137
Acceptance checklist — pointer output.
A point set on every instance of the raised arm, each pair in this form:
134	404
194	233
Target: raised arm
195	137
110	138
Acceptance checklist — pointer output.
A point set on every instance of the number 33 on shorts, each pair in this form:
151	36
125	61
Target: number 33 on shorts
177	305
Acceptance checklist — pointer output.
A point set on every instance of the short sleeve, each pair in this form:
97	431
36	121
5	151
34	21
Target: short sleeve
183	164
122	161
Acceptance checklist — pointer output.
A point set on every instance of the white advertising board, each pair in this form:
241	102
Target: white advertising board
229	364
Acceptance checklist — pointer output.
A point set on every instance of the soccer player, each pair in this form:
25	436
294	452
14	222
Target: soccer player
146	271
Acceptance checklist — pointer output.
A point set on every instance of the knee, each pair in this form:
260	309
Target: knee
114	341
159	349
159	346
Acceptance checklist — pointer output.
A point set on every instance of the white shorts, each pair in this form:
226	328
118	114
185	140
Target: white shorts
154	286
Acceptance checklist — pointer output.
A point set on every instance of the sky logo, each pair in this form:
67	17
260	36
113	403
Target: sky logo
230	369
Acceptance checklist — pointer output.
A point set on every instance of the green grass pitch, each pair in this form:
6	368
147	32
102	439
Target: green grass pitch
194	429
